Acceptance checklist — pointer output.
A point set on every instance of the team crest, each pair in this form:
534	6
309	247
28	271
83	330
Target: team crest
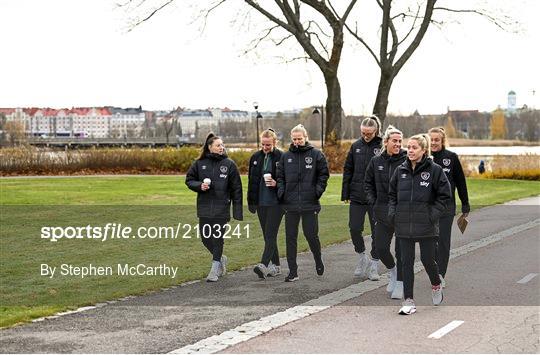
308	160
255	162
424	175
376	151
446	162
223	169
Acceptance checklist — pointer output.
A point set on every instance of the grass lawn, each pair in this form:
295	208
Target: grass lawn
29	204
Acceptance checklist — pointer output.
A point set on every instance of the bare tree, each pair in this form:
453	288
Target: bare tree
301	21
395	49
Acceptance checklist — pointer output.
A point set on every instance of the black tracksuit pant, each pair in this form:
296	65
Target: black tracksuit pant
357	215
427	255
270	219
310	226
211	232
443	243
383	239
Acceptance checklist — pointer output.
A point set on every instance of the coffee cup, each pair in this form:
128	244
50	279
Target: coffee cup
207	181
267	178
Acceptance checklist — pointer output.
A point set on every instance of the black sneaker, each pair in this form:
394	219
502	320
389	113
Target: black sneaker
319	266
260	270
291	278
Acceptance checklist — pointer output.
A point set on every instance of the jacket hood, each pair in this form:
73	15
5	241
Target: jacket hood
301	148
375	141
439	153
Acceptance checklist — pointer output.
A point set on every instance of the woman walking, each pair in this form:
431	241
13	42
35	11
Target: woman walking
302	176
215	179
376	185
263	200
352	191
419	192
451	166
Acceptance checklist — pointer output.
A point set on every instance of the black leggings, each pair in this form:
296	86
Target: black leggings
443	244
383	238
427	255
212	235
310	226
357	215
270	219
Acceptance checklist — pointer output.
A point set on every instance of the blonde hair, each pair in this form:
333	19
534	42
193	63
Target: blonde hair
300	128
389	131
424	142
441	131
270	133
372	121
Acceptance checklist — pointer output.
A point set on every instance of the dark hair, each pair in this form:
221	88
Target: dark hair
210	138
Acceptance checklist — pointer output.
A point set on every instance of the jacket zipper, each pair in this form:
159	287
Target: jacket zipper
411	200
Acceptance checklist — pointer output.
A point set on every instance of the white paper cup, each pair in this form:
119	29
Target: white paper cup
267	178
207	181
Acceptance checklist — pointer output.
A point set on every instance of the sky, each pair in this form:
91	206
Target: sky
73	53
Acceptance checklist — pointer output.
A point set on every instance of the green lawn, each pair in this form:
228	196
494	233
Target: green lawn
29	204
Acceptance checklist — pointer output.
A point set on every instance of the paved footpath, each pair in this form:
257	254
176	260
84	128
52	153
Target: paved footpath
333	313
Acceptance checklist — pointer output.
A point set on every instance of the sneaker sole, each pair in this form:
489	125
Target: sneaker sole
293	279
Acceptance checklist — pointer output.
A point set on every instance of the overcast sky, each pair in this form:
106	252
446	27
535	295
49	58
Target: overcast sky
64	53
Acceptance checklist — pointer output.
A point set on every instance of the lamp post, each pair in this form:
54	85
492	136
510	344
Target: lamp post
316	112
257	116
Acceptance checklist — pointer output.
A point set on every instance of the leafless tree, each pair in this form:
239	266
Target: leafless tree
396	47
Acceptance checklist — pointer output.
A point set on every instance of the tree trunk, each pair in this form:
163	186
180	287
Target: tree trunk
383	91
333	110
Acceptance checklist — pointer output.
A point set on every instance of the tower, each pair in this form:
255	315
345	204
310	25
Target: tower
511	101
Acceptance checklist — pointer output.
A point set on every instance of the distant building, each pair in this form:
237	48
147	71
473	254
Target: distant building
511	101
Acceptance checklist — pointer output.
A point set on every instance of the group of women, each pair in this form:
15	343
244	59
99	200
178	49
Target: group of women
406	193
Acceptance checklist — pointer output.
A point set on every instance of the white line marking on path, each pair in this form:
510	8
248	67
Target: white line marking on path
446	329
527	278
252	329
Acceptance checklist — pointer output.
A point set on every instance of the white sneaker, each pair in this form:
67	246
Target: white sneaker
261	271
408	307
213	275
223	266
374	270
443	283
271	270
393	279
276	269
397	292
437	295
362	265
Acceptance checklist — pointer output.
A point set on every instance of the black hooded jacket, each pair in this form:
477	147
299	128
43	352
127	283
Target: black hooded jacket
418	199
355	169
451	166
302	176
226	186
255	174
377	181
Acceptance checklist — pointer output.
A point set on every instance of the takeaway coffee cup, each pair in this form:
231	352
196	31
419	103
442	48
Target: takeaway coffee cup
207	181
267	178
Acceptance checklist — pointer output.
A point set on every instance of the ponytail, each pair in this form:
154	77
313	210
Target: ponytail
210	138
372	121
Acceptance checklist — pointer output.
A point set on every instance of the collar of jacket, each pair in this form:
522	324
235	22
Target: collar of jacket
376	141
214	156
301	148
420	166
438	154
401	154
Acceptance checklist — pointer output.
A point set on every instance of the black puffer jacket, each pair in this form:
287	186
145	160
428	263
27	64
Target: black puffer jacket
302	176
377	181
451	166
418	199
355	169
225	187
255	174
